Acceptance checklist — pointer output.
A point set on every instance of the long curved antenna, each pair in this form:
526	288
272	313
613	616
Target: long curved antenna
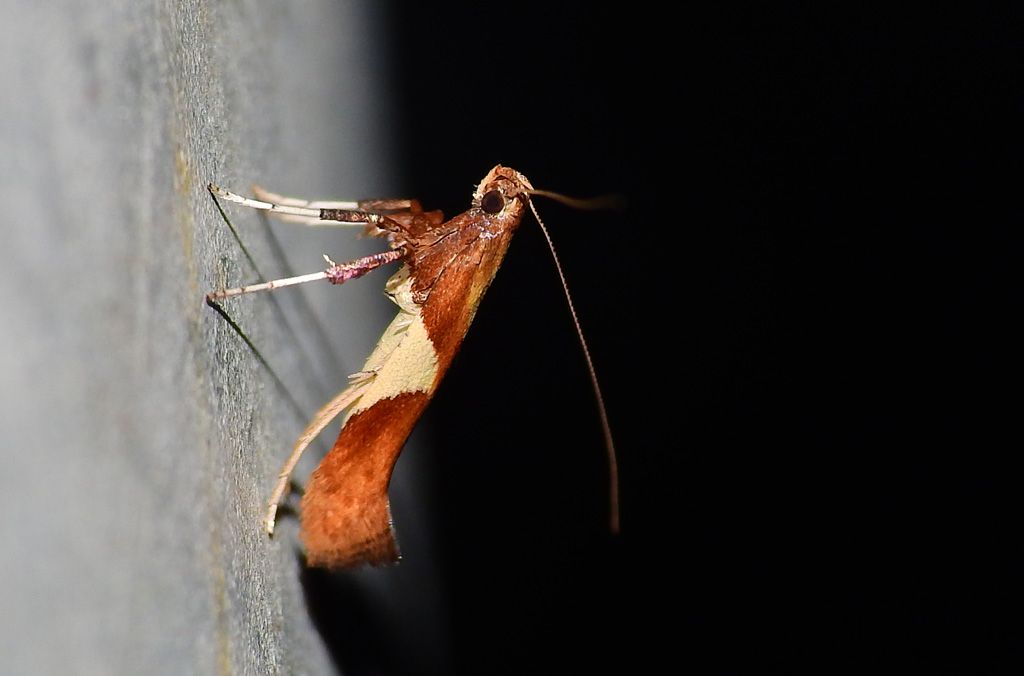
613	465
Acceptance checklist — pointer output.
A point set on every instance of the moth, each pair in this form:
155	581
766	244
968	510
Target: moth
446	267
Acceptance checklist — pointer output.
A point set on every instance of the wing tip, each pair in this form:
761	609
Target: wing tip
348	533
380	550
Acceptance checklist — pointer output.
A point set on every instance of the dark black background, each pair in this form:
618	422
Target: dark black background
801	323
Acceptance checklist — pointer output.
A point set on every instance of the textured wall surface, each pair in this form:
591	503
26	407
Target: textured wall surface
139	436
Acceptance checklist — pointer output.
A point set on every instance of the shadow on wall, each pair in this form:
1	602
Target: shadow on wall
355	627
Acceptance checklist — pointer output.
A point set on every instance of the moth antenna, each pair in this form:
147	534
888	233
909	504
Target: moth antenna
610	202
613	465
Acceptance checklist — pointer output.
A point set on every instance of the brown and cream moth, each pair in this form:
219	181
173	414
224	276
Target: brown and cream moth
446	267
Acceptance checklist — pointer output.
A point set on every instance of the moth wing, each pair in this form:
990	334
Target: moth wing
346	516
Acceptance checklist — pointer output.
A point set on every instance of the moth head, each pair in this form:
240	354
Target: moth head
502	195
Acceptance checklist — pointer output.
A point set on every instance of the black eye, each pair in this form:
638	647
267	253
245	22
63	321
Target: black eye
492	202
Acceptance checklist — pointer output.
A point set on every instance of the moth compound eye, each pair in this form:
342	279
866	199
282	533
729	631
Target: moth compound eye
492	202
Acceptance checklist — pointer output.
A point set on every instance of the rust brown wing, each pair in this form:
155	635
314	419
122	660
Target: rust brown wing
346	518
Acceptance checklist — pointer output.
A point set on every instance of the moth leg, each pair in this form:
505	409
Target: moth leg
265	195
309	215
354	205
336	273
321	420
389	206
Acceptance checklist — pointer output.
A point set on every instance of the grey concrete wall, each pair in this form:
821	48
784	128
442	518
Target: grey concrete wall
139	436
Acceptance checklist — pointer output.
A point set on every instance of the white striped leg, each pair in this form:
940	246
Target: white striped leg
308	213
375	205
267	196
274	198
382	205
336	273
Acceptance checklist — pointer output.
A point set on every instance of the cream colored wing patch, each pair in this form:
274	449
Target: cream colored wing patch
405	359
